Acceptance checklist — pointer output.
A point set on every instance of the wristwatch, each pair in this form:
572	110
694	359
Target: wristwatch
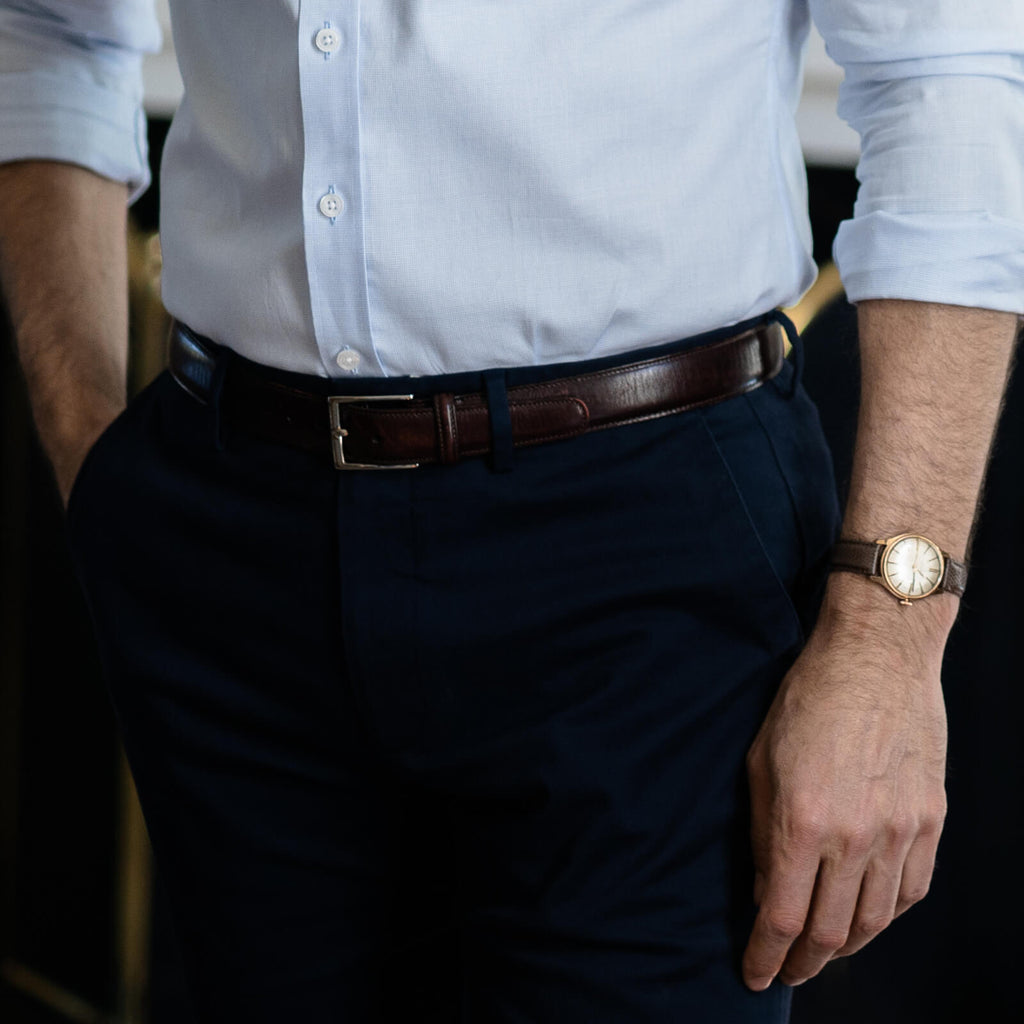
908	565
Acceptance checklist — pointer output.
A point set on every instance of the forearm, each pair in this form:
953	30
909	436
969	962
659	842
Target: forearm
63	271
932	383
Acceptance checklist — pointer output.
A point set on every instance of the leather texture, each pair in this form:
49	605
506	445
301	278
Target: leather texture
446	428
191	363
865	556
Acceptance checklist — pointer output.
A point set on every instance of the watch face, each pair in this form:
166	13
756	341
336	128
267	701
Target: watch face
911	566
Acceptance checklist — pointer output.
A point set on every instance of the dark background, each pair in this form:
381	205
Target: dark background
948	956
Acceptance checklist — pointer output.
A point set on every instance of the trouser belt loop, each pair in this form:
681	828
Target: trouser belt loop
796	346
502	450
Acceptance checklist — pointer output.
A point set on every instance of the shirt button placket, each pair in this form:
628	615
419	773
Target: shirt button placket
328	41
332	220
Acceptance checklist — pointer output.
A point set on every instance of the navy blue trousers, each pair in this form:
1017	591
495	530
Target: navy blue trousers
490	721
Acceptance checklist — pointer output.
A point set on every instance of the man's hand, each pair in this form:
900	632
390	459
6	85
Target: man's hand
63	271
847	782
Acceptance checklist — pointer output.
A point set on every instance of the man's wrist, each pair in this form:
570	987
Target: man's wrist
857	609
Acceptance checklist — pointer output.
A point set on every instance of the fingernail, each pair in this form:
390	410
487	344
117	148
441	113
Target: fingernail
760	984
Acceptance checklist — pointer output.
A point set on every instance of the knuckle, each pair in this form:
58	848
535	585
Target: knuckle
809	835
860	841
914	893
933	819
826	940
809	826
900	830
782	926
868	925
855	840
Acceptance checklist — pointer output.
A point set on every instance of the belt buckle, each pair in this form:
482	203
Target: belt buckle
339	433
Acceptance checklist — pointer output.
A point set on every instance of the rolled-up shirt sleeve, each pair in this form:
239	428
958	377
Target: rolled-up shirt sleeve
935	89
71	84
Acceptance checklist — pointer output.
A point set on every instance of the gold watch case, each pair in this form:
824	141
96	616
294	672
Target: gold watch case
912	566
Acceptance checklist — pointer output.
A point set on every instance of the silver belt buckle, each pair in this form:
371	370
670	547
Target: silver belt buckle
339	433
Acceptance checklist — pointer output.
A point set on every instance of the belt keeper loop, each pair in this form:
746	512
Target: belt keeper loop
796	347
447	428
502	451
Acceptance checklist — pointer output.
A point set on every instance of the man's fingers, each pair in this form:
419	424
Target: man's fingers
828	924
918	869
876	905
808	916
780	920
897	876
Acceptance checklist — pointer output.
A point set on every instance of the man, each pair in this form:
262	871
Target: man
468	238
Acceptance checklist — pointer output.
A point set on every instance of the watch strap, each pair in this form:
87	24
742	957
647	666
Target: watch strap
865	556
858	556
954	579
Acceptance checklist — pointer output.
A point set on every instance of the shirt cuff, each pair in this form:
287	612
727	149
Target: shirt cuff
965	260
47	117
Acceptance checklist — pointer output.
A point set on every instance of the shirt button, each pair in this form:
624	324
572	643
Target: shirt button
331	205
347	359
327	40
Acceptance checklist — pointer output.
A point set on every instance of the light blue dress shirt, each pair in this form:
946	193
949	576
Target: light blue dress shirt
391	187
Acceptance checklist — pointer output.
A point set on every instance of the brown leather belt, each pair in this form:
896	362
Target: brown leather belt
405	431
